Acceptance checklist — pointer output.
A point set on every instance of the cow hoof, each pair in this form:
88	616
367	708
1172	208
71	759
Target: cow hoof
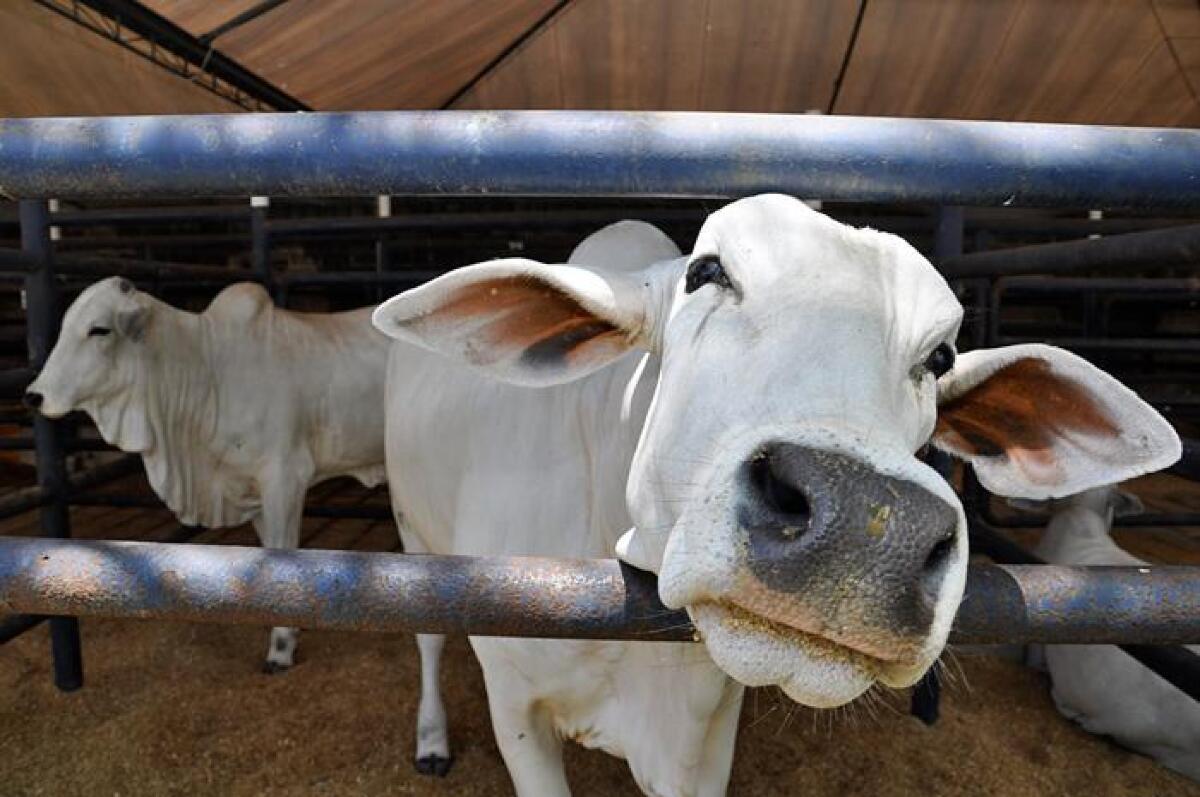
434	765
274	667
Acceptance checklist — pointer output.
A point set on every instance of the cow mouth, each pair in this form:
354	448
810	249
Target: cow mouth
810	669
823	647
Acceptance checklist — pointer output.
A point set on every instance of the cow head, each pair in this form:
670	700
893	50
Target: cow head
776	488
91	366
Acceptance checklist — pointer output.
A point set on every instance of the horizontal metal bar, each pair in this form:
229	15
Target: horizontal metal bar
501	219
601	153
112	216
1147	520
1172	246
1065	227
26	443
1112	344
124	241
358	278
353	511
28	498
15	258
1078	285
595	599
1177	664
93	266
102	266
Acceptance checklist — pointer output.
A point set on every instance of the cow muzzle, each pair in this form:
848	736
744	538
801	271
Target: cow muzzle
843	567
836	549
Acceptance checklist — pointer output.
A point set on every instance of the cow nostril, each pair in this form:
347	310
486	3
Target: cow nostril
783	499
938	555
32	400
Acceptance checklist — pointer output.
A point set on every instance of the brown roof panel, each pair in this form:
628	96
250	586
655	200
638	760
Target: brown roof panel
378	54
198	17
761	55
1037	60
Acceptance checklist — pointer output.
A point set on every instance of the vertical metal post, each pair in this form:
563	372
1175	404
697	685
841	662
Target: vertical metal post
948	231
948	242
383	209
260	246
42	311
981	293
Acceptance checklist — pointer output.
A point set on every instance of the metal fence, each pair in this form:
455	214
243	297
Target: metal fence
577	154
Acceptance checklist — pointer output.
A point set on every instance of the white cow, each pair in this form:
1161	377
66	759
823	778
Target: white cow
236	411
743	422
1103	689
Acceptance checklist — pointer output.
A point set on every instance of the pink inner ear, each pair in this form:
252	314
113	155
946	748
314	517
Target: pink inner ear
1020	411
525	317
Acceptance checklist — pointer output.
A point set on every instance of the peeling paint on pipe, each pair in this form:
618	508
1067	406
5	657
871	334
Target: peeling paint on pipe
532	597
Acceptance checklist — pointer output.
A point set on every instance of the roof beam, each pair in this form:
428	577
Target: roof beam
249	15
491	65
174	39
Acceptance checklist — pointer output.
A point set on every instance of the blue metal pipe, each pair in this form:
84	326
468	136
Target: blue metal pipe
532	597
601	153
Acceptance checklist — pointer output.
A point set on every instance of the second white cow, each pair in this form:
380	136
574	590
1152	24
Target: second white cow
235	411
1103	689
744	422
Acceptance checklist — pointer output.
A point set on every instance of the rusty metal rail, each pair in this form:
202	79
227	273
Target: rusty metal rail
534	597
601	153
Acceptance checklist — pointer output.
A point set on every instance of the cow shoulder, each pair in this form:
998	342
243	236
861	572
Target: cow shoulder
240	303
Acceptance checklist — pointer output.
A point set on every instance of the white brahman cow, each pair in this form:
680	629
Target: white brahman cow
1098	686
236	411
744	422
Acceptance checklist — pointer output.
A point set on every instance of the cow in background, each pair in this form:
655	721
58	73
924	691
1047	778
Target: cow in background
235	411
1103	689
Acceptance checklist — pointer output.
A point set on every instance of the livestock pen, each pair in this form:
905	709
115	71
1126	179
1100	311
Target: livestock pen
712	157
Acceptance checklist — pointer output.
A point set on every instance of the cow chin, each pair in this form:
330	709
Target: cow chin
811	670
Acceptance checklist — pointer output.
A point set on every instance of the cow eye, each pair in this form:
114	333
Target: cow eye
96	332
940	360
703	271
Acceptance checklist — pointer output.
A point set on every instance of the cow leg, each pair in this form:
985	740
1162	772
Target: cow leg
433	744
531	749
713	780
433	738
279	527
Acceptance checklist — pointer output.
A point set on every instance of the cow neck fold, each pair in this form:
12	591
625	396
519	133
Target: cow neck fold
168	414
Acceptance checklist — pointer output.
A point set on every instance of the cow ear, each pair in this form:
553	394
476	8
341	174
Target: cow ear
1039	422
522	321
131	321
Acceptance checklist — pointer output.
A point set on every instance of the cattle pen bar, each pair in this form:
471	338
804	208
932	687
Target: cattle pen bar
601	153
517	596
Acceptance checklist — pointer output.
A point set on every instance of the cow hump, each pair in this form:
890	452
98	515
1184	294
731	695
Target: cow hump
239	303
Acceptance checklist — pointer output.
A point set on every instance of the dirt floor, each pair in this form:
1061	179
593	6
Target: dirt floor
182	709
